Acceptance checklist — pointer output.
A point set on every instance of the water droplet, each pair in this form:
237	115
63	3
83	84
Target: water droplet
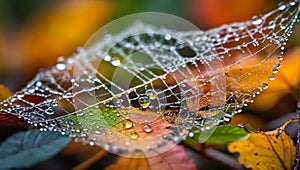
256	20
278	66
60	59
107	58
38	84
167	36
265	86
127	124
106	147
92	143
151	93
20	96
275	70
272	24
293	2
281	6
147	128
144	101
272	77
134	135
191	134
60	66
283	27
115	61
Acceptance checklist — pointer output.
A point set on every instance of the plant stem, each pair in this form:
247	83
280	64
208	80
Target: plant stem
217	156
89	162
222	158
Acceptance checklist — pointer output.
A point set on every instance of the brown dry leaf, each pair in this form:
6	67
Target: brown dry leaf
266	150
285	80
175	159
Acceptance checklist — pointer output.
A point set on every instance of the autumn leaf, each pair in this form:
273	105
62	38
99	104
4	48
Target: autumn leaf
59	29
118	129
217	12
248	119
266	150
286	80
4	92
8	119
175	159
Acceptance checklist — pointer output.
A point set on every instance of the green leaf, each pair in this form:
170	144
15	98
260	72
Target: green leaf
225	134
109	117
25	149
94	117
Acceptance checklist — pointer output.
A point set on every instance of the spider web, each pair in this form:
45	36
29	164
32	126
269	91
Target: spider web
174	79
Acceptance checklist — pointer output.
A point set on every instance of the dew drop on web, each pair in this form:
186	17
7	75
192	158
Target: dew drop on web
256	20
144	101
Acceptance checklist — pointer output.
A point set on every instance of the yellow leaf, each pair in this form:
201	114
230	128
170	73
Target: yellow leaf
250	73
285	80
4	92
266	150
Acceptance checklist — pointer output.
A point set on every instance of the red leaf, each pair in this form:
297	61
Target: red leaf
175	159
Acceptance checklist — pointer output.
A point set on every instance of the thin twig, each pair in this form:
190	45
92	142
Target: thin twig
222	158
89	162
217	156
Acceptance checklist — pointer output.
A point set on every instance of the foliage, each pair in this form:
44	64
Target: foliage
176	159
266	150
224	134
57	30
4	92
25	149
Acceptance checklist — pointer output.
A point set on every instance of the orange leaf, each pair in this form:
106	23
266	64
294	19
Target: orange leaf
59	29
4	92
175	159
286	80
214	13
266	150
